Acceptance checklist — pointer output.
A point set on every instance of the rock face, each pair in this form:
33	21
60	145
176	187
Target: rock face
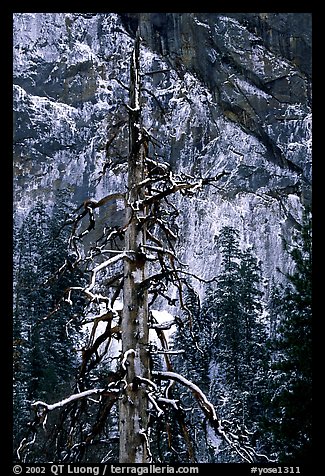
222	91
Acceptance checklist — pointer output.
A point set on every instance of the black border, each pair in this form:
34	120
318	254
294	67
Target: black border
6	215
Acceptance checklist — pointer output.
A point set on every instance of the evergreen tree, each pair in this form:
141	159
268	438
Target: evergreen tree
26	266
240	358
233	362
193	337
289	417
229	321
255	358
132	263
43	363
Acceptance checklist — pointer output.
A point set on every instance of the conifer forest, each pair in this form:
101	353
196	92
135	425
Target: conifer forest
162	238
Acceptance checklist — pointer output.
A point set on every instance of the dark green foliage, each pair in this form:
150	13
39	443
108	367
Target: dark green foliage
43	362
194	336
258	385
289	415
226	307
240	358
235	306
228	358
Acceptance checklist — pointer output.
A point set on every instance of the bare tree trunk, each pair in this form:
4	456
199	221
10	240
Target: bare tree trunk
133	419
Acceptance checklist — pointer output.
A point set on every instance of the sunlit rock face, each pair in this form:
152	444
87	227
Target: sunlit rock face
221	92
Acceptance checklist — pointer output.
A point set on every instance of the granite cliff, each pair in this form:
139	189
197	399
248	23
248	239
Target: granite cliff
222	91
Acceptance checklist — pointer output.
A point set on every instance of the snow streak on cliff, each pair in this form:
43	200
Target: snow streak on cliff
222	92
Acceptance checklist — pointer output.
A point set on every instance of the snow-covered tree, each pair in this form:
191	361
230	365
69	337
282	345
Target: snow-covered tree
229	323
229	360
193	340
43	362
128	267
240	336
290	395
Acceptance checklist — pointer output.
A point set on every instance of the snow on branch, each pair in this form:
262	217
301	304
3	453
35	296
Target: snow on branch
170	401
207	407
147	382
159	250
125	358
24	444
163	326
143	433
170	352
151	396
101	266
160	412
247	453
166	229
183	186
72	398
158	165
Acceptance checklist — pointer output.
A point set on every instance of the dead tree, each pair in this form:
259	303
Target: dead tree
134	264
133	407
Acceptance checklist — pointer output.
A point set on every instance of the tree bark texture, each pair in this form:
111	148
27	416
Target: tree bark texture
133	419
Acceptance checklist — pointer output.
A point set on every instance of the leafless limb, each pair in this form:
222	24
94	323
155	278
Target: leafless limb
147	237
247	453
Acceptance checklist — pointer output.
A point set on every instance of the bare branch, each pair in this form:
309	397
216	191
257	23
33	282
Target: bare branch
170	401
121	83
207	407
125	362
77	396
169	352
163	326
246	453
